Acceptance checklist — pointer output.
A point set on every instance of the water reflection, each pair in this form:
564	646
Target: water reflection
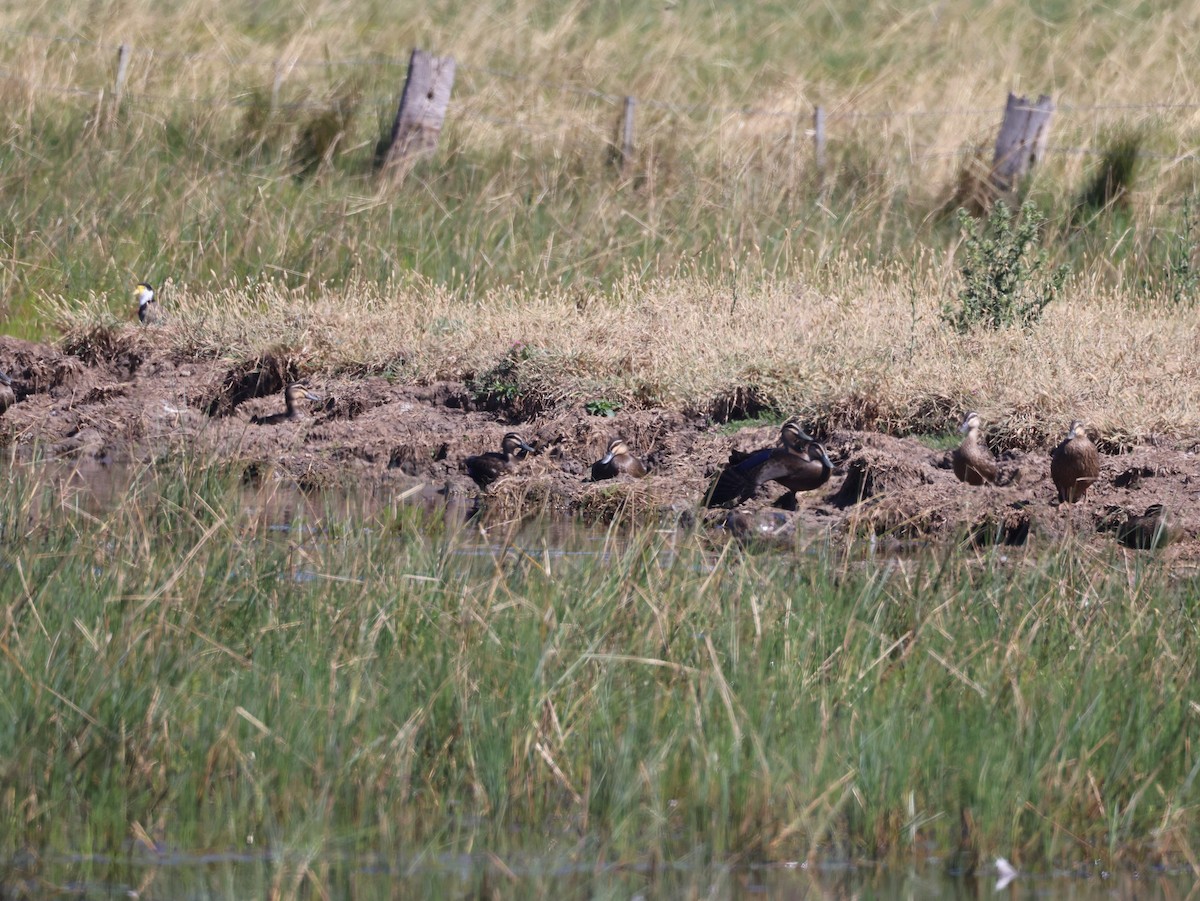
212	876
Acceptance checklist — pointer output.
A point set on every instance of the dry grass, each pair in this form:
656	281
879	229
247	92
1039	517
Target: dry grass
858	346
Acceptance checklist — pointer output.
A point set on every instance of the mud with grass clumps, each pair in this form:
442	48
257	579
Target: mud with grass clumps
369	431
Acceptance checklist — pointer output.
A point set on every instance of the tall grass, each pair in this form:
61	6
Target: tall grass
192	179
179	678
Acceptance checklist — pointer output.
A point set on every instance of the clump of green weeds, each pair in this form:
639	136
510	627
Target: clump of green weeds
602	407
1179	274
1005	281
504	384
322	136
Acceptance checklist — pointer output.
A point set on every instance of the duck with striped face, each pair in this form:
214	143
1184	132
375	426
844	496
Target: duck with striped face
487	468
617	460
292	394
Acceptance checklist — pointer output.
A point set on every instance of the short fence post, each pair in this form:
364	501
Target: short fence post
1021	141
276	85
627	123
819	145
122	69
422	110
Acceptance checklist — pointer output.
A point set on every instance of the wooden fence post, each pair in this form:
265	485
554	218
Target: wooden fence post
1021	141
122	69
819	145
627	123
422	109
276	85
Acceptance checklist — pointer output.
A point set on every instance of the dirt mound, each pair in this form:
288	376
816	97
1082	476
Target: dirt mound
413	439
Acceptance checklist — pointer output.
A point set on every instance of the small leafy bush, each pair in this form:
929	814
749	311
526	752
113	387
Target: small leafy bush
602	407
1180	275
1005	281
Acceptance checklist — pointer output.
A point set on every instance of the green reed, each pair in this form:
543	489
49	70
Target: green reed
176	674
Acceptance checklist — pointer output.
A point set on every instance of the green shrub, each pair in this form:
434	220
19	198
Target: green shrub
1004	277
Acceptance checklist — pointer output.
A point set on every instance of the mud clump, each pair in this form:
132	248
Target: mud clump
874	472
410	441
258	378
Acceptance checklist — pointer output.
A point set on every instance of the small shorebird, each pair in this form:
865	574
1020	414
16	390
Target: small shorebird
148	310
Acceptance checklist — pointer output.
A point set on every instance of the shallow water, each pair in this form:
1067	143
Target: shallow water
254	875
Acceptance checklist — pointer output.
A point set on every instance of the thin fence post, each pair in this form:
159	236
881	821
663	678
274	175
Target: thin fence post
627	124
819	144
276	85
122	69
422	109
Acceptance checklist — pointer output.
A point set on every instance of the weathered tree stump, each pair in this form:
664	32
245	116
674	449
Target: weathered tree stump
422	109
1022	139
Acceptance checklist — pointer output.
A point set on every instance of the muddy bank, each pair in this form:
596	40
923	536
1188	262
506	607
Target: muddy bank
366	430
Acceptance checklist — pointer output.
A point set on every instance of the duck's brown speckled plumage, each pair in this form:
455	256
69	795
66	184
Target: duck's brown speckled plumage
1074	464
487	468
802	472
797	462
291	394
973	462
1150	530
8	397
617	460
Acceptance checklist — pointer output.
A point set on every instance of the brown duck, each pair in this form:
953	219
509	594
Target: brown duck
1074	464
291	394
1146	532
486	468
973	462
616	460
797	462
8	397
801	472
736	480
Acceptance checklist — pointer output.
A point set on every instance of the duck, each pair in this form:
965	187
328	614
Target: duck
788	461
8	397
148	310
801	472
617	459
1074	464
291	394
1146	532
487	468
973	462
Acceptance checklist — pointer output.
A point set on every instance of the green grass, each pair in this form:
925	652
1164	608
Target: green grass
209	194
173	671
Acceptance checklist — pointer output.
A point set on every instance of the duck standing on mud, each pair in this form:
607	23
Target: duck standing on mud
745	473
1074	464
487	468
617	460
973	462
291	394
148	312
